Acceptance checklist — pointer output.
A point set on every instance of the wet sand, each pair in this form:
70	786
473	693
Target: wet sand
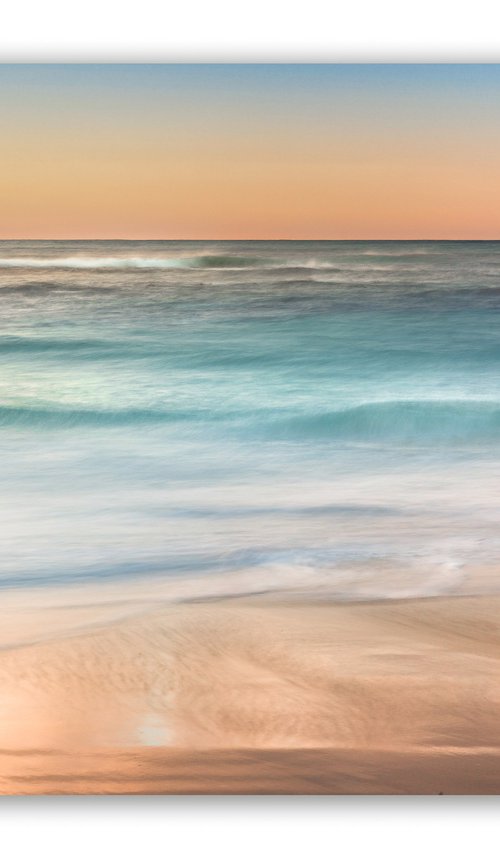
249	772
259	695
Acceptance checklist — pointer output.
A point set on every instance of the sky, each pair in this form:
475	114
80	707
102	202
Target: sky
250	151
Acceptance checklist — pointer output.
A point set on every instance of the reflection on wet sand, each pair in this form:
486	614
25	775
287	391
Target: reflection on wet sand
160	771
261	695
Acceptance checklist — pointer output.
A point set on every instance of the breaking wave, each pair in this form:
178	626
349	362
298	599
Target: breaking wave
207	261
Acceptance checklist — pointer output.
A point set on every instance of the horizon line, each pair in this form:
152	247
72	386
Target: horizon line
312	240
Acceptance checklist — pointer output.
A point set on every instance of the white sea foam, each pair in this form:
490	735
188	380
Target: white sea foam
111	263
196	261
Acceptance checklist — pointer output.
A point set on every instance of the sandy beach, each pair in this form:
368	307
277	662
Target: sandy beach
259	695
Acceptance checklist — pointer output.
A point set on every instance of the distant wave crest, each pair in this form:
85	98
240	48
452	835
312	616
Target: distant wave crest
208	261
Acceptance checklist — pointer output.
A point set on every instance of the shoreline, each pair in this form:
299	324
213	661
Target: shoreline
169	771
261	694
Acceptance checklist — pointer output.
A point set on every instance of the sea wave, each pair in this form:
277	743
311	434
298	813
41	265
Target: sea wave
400	421
207	261
335	573
397	421
85	263
73	416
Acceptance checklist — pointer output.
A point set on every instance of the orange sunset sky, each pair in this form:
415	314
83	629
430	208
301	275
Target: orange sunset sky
250	151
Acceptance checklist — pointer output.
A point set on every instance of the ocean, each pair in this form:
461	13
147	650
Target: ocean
221	418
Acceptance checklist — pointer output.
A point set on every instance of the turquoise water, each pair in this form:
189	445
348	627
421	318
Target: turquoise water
320	416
